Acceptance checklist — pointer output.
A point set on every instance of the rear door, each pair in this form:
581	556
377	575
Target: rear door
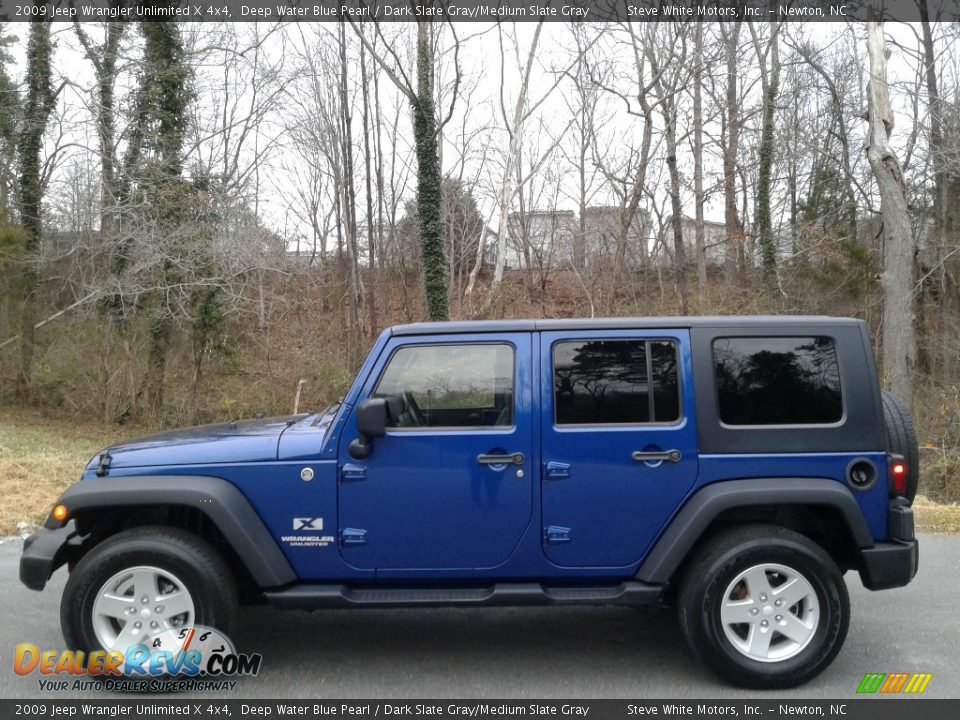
450	485
619	441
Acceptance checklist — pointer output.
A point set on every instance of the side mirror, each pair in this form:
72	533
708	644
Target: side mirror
372	417
371	423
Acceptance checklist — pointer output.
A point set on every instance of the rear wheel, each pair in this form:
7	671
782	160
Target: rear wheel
902	439
142	582
764	606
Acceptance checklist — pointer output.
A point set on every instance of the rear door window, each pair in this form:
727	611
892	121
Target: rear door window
615	382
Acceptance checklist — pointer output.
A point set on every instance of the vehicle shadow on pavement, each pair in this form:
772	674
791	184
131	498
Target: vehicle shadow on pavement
469	652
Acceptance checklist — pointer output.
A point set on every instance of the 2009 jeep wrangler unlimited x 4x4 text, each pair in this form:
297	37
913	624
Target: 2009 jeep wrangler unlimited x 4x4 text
732	467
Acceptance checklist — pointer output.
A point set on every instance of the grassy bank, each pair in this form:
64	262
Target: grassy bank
41	455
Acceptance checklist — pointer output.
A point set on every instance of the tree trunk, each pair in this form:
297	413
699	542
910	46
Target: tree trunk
433	262
508	187
679	252
734	228
941	194
771	84
348	190
39	104
104	60
936	122
166	95
698	192
897	278
368	168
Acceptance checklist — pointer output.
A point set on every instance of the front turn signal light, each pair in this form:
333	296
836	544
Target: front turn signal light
59	513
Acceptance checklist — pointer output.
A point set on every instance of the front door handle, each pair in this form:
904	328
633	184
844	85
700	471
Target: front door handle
513	458
656	455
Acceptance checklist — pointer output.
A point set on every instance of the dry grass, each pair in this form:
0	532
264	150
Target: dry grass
39	457
42	455
936	517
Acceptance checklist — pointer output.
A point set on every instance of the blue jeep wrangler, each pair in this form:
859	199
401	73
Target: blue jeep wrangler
734	468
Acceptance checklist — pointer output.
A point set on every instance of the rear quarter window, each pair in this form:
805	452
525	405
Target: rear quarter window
777	381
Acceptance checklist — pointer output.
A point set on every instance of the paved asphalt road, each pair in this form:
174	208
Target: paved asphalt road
529	652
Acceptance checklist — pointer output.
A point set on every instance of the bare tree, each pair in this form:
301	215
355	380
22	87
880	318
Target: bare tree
672	53
898	336
731	144
514	178
698	191
103	57
508	189
420	93
368	166
349	200
838	114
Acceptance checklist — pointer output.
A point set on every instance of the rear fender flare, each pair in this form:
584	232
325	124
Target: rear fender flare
705	505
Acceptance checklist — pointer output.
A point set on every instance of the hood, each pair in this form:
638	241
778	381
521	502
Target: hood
234	442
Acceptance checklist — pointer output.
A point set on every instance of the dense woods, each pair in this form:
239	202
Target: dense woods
199	221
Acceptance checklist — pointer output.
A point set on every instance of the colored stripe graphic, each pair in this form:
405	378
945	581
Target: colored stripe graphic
918	682
871	682
893	683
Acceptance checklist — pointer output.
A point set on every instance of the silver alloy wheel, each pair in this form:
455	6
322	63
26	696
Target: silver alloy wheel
137	603
770	612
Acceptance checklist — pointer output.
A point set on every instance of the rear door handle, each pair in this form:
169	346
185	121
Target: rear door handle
513	458
656	455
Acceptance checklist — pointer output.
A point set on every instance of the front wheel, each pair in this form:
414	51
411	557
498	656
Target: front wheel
764	606
142	582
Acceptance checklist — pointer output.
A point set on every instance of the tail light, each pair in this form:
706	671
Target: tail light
898	475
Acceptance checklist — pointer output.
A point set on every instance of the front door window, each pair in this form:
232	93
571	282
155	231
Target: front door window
449	386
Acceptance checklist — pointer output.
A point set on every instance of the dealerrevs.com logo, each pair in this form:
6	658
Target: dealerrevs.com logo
178	659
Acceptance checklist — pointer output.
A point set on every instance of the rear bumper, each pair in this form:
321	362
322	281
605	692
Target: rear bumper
44	552
889	564
893	563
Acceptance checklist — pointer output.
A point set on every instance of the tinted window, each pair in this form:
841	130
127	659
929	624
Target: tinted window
448	386
615	381
777	381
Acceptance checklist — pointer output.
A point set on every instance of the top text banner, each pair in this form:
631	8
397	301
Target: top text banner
477	10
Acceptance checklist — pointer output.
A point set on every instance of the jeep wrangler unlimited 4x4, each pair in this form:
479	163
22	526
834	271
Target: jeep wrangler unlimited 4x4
733	467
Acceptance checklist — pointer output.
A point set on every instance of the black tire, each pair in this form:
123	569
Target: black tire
717	565
189	558
902	439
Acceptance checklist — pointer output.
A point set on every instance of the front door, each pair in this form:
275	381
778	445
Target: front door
619	442
450	485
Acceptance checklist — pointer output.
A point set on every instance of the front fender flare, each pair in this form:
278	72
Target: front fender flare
688	525
216	498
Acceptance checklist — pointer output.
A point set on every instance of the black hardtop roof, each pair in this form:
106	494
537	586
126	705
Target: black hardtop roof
778	322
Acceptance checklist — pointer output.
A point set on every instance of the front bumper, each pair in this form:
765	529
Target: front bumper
44	552
893	563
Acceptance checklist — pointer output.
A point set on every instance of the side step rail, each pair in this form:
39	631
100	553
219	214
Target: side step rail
312	597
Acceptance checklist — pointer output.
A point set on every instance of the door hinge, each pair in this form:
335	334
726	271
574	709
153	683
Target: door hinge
353	536
554	534
352	473
557	470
